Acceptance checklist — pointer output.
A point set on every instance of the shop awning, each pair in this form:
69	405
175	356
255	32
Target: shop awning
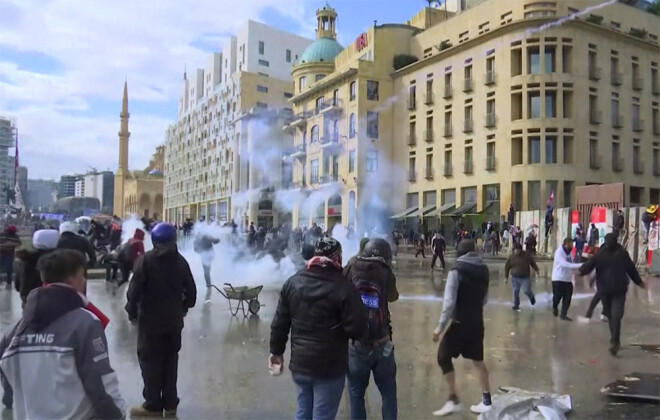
423	212
463	209
404	213
488	206
442	210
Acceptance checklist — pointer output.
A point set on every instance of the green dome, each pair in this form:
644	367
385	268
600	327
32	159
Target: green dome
323	49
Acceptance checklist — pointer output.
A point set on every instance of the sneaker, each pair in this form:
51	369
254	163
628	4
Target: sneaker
614	348
140	412
603	318
169	414
450	407
516	308
565	318
481	408
555	312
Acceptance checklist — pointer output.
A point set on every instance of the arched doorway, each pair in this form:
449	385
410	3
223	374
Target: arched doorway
319	215
334	211
144	205
158	206
265	214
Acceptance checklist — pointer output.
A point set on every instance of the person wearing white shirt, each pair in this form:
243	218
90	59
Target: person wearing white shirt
562	275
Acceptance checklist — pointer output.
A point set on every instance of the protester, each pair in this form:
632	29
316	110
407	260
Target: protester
613	268
9	241
372	276
55	362
158	298
438	246
114	233
363	243
594	238
69	239
27	276
204	247
518	265
530	243
421	245
462	323
562	277
128	254
579	242
323	311
619	223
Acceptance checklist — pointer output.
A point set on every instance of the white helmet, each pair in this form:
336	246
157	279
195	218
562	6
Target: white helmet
69	227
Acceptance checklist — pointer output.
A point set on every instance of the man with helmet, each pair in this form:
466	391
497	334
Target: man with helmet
372	275
9	241
69	239
159	296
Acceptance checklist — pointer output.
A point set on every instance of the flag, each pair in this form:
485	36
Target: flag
551	197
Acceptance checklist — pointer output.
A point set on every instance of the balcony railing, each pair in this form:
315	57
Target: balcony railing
468	126
428	98
333	105
617	164
491	120
412	176
594	73
637	83
490	78
412	104
638	125
595	161
638	167
468	167
412	139
595	117
617	78
428	136
448	131
617	121
468	85
429	173
448	170
491	163
449	92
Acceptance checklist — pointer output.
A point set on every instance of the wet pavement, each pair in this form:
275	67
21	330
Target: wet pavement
223	364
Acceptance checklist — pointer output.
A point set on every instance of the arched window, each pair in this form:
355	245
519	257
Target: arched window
315	134
351	126
353	91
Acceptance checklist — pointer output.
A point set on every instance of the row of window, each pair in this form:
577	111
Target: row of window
262	48
331	166
332	128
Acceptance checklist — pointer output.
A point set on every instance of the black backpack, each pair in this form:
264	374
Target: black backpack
372	298
126	253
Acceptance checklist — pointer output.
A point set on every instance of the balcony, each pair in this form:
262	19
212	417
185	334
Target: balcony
412	176
468	126
595	117
299	152
468	85
491	120
448	170
331	107
491	163
617	164
638	125
428	98
330	142
595	161
594	73
448	130
412	139
617	121
490	78
299	120
617	78
449	92
428	136
412	104
468	167
637	83
638	167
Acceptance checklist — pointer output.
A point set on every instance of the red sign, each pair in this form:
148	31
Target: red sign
361	42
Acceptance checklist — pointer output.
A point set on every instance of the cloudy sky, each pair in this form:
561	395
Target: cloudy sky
63	64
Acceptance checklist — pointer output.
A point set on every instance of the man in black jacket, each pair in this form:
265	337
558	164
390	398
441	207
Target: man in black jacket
438	246
323	311
203	246
372	275
613	267
159	296
69	239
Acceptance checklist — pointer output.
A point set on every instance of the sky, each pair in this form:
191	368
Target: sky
63	64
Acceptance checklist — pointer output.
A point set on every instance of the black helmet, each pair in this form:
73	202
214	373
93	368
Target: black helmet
378	247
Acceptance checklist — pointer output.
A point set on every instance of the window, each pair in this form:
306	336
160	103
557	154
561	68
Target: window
533	60
318	77
288	56
550	149
372	124
568	150
635	115
264	63
261	105
615	112
314	171
372	90
448	164
261	48
315	134
351	161
469	195
351	126
302	83
288	95
550	104
533	195
335	97
534	105
372	161
262	89
412	97
319	102
517	151
534	150
411	168
490	155
549	60
353	87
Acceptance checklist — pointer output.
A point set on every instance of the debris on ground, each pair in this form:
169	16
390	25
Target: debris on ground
521	404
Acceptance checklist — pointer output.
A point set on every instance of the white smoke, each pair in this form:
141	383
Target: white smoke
128	228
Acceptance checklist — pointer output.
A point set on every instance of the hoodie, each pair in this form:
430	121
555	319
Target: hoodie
27	275
54	362
69	240
613	268
466	292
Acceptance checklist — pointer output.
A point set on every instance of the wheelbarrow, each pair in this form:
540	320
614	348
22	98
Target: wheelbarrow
241	294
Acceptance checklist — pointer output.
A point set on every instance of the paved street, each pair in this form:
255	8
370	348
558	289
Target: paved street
223	365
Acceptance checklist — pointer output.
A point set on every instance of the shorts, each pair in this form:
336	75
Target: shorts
462	340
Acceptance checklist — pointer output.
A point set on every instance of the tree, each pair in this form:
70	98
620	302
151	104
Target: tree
655	7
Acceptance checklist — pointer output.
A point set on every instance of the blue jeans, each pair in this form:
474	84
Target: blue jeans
7	266
360	365
318	398
516	284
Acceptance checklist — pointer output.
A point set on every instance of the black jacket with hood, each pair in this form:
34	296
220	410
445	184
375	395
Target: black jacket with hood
69	240
27	275
323	311
162	289
613	267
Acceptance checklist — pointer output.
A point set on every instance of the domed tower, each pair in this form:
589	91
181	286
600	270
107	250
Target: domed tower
318	59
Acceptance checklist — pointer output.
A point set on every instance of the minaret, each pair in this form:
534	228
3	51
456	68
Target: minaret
122	171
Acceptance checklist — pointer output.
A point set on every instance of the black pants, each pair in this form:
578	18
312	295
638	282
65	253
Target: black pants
418	251
562	291
435	257
594	302
158	354
613	306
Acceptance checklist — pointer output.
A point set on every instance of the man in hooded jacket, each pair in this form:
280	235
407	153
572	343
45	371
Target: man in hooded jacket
69	239
159	296
613	268
27	276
